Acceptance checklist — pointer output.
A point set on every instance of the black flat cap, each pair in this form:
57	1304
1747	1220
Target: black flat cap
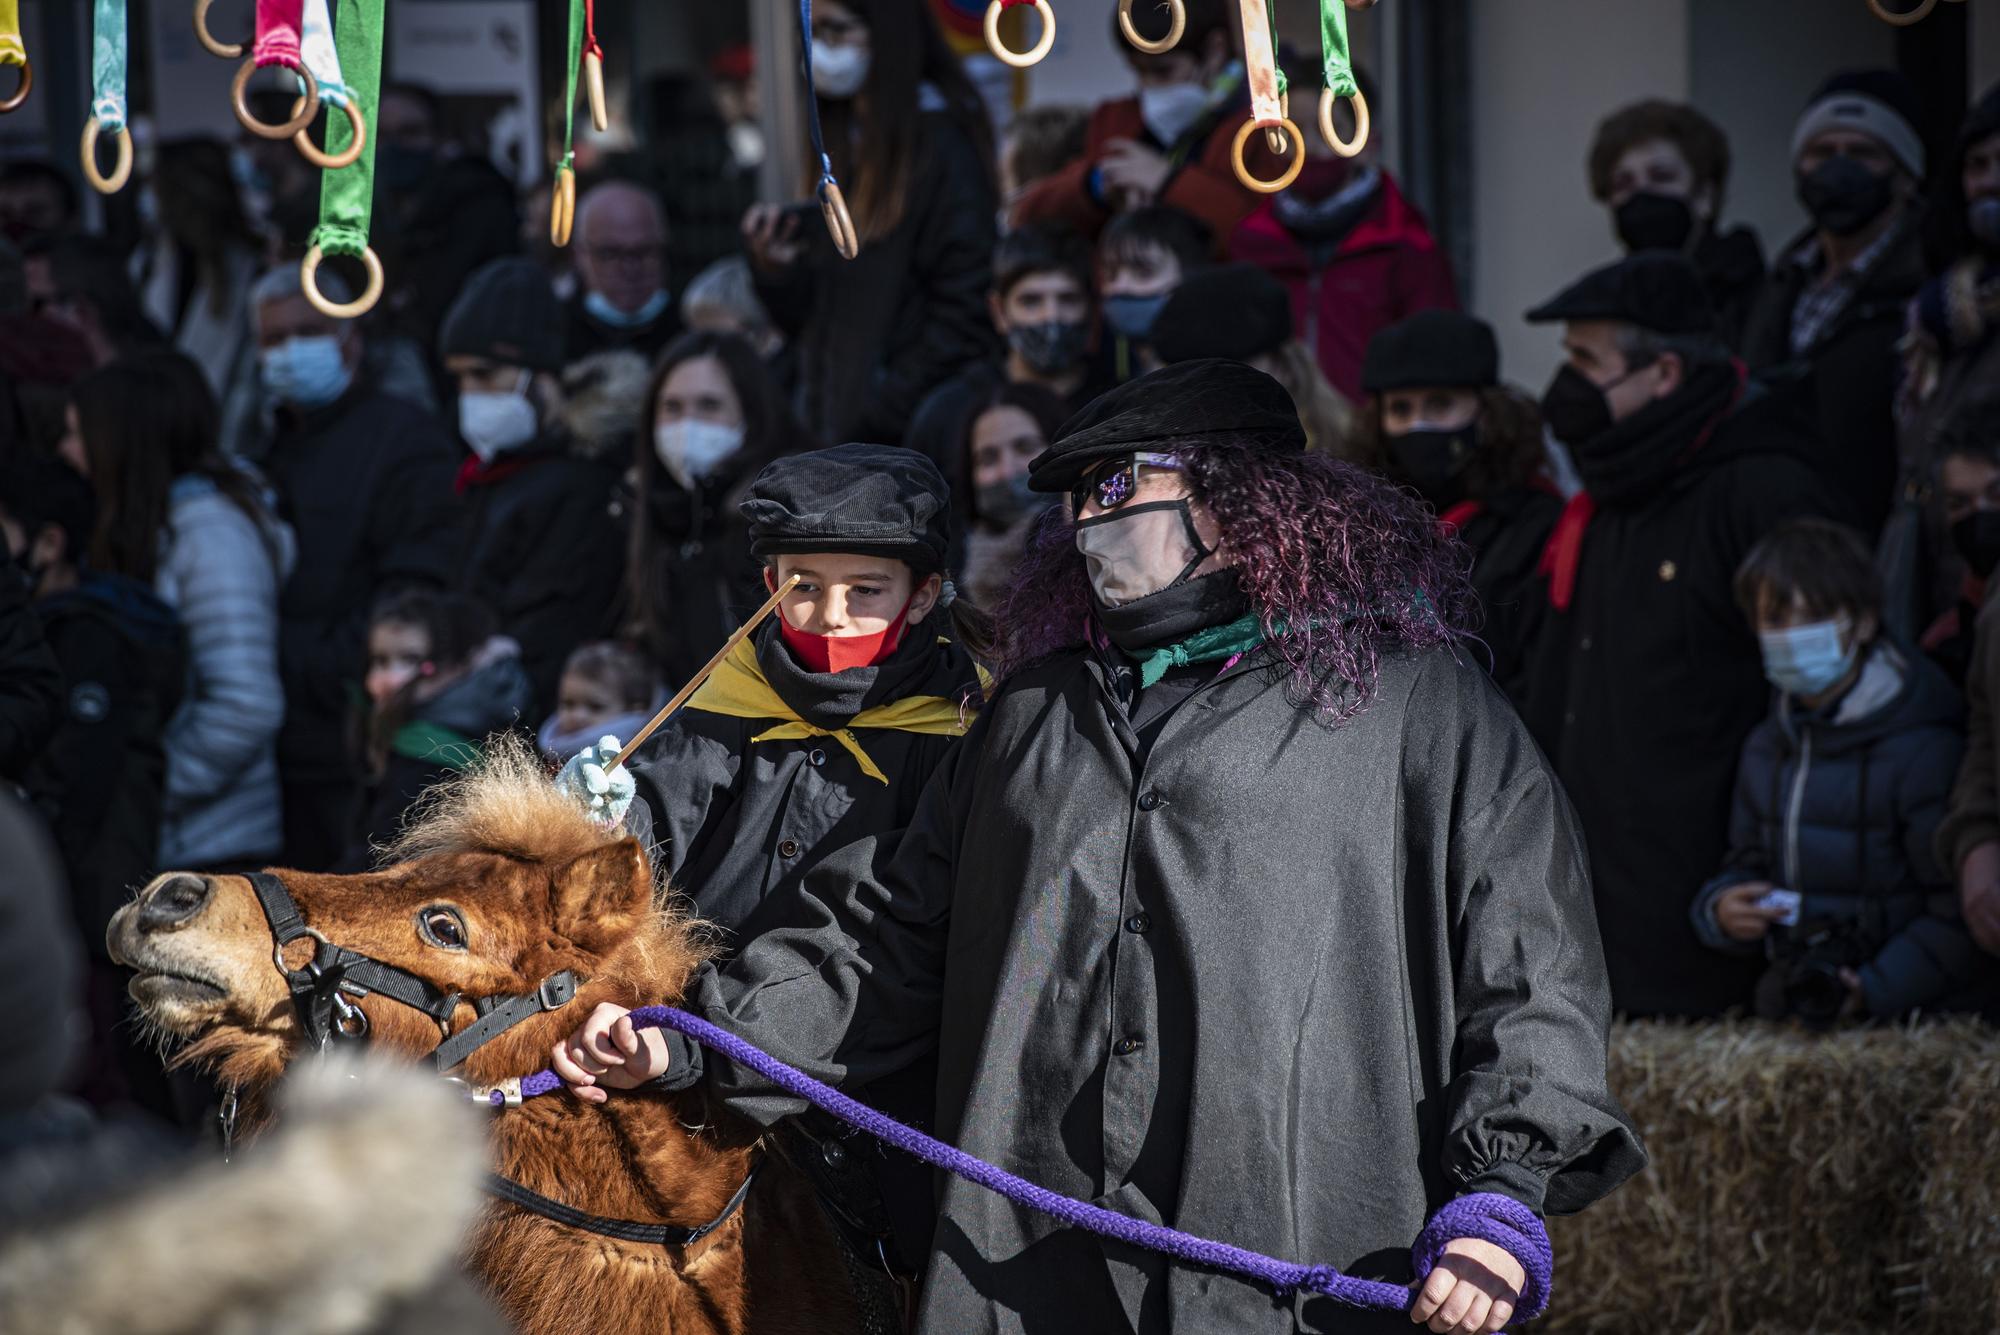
1232	310
1212	402
1432	348
868	500
1655	290
506	313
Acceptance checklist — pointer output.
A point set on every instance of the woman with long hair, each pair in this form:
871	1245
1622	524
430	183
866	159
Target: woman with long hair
912	146
173	513
713	419
1004	431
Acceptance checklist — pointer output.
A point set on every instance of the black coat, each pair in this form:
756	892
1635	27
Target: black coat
1731	265
1644	689
366	484
541	552
31	683
584	335
1842	805
1276	983
1848	375
101	778
1507	536
876	333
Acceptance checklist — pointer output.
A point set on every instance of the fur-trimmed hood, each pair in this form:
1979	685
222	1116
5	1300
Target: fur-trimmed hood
604	400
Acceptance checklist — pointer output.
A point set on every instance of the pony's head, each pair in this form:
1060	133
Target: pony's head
498	882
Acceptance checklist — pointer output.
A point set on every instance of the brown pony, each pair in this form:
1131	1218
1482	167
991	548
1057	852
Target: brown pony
502	863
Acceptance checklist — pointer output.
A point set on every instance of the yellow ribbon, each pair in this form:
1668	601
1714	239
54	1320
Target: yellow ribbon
738	689
12	52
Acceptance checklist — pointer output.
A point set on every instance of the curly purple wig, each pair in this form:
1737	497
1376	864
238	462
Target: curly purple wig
1342	567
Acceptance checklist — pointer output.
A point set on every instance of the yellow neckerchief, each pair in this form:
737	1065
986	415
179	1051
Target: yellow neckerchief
738	689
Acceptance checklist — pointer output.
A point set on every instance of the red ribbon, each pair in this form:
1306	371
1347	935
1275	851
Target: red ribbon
1009	4
278	25
1458	516
590	46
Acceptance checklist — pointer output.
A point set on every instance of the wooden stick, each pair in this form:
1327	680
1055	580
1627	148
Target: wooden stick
694	682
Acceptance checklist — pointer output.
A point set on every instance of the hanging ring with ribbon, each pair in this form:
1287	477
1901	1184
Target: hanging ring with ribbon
562	207
593	83
120	173
21	93
207	39
1177	24
1347	148
1020	60
334	310
1890	16
839	222
1290	174
302	117
318	156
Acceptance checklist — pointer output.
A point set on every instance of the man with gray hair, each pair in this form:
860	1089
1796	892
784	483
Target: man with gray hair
621	267
364	477
1833	308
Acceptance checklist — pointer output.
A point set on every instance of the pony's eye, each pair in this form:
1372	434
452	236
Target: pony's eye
442	927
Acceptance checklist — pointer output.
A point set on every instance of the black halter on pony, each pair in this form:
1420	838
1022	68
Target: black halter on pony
321	992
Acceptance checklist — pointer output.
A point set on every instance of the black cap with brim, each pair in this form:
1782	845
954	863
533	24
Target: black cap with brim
507	314
1655	290
1231	310
1212	403
1432	349
864	500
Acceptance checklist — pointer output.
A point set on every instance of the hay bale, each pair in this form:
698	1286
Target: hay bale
1789	1180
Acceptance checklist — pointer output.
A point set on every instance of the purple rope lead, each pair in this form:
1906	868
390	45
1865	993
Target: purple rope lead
1500	1220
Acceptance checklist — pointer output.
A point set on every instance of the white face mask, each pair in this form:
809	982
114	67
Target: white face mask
1139	550
495	421
1171	112
691	449
839	71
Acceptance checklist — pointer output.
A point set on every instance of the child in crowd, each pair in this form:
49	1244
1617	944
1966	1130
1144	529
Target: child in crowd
1141	258
606	688
1038	143
440	681
1831	872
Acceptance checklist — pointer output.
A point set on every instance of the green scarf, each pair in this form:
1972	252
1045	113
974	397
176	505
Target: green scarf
1204	646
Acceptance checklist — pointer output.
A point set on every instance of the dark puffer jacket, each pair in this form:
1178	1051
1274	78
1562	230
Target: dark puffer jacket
1841	806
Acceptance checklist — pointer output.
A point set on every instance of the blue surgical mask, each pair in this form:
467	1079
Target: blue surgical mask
1134	316
1808	660
599	308
307	372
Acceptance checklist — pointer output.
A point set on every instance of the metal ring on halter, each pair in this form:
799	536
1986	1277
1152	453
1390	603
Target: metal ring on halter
346	1013
562	207
278	950
1347	148
299	121
208	42
348	156
1290	173
593	84
1020	60
1177	24
120	174
21	93
333	310
839	222
1889	16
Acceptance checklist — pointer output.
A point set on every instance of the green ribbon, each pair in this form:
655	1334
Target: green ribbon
1284	84
1204	646
347	196
435	743
568	163
107	65
1338	62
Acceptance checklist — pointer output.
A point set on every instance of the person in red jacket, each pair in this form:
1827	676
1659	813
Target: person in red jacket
1356	255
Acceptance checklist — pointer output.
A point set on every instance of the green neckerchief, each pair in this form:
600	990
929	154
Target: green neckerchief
435	744
1204	646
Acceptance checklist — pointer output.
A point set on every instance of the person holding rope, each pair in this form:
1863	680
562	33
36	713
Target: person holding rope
1246	907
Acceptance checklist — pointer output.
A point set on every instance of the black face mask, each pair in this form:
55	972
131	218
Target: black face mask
1575	409
1843	196
1173	614
1434	462
1006	501
1977	538
1648	221
1052	347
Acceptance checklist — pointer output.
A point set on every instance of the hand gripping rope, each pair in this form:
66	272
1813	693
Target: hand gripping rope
107	102
1339	79
1267	102
322	58
1020	60
347	194
832	204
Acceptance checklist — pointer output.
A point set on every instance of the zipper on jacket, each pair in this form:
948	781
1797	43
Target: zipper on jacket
1793	809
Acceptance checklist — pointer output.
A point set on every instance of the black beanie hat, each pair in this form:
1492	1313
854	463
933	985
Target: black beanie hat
1193	402
872	500
1654	289
1232	310
506	313
1432	348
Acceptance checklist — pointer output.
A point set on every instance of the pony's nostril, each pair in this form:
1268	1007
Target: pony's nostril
173	901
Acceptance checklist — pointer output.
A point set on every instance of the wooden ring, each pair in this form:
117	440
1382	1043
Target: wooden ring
1350	147
21	93
593	83
1021	60
309	284
202	35
1291	173
562	207
299	121
348	156
1889	16
120	174
839	222
1177	24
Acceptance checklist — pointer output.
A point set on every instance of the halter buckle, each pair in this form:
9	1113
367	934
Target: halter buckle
278	950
